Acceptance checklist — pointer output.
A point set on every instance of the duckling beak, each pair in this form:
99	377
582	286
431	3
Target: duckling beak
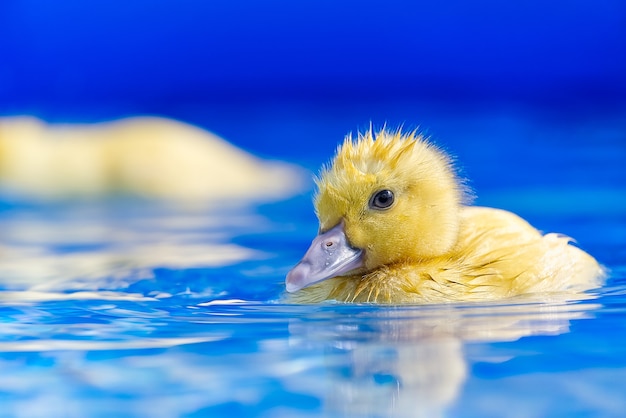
328	256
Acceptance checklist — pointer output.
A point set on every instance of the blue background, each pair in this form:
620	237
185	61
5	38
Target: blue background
155	55
288	79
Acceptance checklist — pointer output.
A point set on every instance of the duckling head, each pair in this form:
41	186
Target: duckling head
386	197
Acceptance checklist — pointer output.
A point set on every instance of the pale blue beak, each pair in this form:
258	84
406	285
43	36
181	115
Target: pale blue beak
329	256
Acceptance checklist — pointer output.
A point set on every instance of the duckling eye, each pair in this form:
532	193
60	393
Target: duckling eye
381	200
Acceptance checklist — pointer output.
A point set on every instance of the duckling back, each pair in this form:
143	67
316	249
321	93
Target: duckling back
498	244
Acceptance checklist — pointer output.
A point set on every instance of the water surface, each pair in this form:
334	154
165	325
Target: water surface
131	308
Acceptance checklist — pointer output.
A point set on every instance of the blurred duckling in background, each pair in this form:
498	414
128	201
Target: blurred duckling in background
145	156
394	229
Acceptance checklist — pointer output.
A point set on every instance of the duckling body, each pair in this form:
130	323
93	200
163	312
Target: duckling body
152	157
394	229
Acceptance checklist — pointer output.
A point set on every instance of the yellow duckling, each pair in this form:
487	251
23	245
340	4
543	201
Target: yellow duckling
156	158
394	229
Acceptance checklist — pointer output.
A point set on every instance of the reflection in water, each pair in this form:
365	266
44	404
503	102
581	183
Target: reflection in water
413	380
255	359
411	362
87	251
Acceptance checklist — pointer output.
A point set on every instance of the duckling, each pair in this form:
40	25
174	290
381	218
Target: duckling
151	157
394	228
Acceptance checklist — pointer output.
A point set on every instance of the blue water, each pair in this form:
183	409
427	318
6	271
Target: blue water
123	307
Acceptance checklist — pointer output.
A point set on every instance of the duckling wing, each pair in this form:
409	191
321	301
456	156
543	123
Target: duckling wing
498	249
